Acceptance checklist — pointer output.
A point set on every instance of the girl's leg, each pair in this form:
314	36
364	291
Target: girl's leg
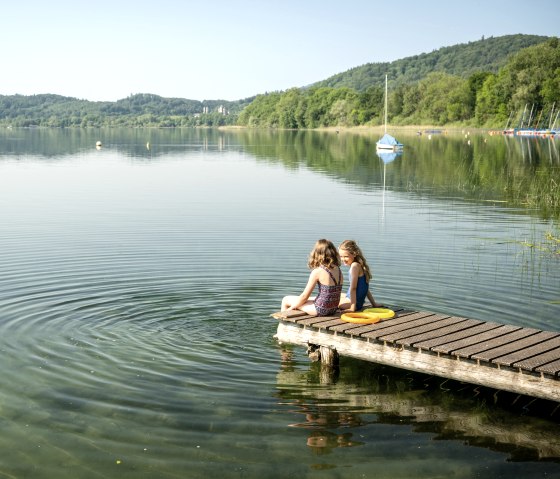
344	302
287	301
307	307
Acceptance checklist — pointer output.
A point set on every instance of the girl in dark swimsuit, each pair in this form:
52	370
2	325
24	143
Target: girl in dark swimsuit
325	273
359	276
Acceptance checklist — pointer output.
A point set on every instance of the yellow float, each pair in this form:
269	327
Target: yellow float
383	313
361	318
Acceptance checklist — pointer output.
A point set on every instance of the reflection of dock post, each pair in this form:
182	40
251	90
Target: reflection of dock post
329	365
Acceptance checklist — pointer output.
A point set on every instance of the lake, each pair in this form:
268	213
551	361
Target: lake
137	280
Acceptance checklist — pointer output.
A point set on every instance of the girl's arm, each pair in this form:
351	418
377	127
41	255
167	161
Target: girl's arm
372	299
310	286
354	273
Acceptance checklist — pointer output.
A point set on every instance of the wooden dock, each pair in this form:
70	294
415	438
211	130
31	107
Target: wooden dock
500	356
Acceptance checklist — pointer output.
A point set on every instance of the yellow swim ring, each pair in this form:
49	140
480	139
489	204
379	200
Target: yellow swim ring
383	313
361	318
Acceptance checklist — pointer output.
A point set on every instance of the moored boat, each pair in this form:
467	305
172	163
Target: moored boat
388	142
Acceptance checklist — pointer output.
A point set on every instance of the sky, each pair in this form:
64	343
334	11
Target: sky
233	49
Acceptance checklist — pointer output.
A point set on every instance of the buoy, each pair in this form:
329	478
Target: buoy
148	145
361	318
383	313
98	143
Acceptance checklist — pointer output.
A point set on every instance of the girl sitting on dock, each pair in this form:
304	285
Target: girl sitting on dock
359	276
325	272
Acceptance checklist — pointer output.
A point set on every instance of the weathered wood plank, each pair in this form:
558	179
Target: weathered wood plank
349	328
288	315
404	317
552	367
541	361
400	336
314	320
505	345
330	323
441	343
448	326
465	347
401	324
346	327
531	346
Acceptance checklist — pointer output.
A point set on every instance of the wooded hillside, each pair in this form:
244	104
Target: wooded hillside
529	78
481	83
487	55
136	110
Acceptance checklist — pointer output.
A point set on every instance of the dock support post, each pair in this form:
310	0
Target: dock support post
329	356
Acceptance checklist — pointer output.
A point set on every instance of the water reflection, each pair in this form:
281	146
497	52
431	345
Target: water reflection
133	295
337	409
520	171
386	157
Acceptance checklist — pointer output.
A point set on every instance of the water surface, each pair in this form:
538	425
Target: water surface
137	281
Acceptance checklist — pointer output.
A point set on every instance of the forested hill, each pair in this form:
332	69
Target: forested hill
141	109
480	83
487	55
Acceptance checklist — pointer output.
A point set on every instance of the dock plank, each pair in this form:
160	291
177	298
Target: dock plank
526	337
465	347
454	325
421	329
542	361
552	367
314	320
531	346
388	327
402	318
289	315
441	342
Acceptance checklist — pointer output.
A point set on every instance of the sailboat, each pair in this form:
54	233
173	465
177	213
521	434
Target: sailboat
388	142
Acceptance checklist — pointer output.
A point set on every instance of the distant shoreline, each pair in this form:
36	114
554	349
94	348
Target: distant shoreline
361	129
375	129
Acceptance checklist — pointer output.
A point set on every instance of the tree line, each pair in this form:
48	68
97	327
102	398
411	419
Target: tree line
483	99
139	110
481	84
488	55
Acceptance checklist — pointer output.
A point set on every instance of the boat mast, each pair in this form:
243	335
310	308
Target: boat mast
523	117
385	103
509	119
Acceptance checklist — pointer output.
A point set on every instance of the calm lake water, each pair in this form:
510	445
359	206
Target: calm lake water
136	283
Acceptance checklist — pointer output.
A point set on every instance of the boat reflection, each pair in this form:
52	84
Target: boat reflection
386	157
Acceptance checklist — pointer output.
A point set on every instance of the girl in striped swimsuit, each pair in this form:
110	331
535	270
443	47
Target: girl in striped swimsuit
325	273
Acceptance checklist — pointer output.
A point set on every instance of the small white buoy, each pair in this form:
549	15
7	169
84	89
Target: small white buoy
148	145
98	143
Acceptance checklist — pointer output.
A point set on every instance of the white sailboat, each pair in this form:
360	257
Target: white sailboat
388	142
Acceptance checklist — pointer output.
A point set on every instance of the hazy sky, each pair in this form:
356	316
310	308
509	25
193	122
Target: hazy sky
233	49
